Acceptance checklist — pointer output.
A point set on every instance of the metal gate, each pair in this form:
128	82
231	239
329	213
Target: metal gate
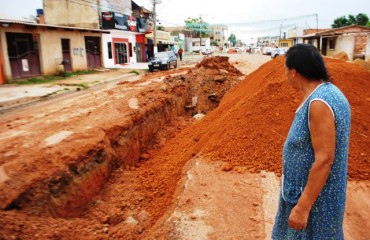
93	52
66	52
23	55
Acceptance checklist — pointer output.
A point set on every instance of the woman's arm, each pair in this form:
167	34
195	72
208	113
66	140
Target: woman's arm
322	128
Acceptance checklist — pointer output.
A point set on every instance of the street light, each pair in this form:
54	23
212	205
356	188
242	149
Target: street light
155	2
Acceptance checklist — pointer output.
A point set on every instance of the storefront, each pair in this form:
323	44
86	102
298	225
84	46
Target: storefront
164	42
123	45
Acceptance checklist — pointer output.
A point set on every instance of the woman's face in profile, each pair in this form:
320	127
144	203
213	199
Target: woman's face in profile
291	76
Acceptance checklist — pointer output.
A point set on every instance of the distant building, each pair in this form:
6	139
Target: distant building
125	20
353	40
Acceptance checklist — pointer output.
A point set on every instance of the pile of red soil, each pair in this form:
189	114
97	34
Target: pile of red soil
341	56
208	82
250	125
362	63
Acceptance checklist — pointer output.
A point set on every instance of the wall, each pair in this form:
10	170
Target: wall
67	13
129	36
367	52
343	44
50	47
2	80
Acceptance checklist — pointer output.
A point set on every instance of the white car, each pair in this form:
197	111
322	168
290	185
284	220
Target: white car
207	52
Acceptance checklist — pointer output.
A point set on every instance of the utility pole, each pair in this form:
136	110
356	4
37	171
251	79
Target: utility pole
155	2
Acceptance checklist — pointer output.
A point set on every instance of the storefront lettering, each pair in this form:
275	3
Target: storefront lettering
120	27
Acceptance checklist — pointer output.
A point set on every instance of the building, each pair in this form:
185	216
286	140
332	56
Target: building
353	40
30	49
218	34
125	21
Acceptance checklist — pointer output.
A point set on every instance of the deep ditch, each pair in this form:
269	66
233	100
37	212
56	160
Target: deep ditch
65	191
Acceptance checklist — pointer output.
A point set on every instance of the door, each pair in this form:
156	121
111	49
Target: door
66	53
324	46
2	80
139	52
121	53
23	55
93	52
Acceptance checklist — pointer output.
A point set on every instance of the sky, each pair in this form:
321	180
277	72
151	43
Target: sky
246	19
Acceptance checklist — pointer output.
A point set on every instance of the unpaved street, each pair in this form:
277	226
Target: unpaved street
129	162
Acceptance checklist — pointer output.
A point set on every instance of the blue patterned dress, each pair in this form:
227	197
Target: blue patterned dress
326	216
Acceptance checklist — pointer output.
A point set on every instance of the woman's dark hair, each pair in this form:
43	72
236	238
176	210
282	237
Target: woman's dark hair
307	60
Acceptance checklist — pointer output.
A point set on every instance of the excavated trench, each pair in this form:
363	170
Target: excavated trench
65	188
65	192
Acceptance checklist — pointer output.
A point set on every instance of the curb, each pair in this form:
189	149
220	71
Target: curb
49	97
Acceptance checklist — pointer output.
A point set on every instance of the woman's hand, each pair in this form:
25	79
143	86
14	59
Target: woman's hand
298	218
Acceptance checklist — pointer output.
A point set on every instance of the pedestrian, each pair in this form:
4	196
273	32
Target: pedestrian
180	53
315	153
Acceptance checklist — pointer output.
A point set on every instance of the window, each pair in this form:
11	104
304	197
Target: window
130	48
109	50
283	44
332	43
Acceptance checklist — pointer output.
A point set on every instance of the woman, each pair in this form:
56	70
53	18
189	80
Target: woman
315	154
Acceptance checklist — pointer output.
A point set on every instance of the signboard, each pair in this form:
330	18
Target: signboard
25	66
113	20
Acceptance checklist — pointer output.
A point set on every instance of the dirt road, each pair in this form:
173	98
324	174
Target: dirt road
194	179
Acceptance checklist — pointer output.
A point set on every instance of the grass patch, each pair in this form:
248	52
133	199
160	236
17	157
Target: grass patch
48	79
38	80
79	72
134	71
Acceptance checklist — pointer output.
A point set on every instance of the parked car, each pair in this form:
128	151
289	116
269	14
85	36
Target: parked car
207	52
163	60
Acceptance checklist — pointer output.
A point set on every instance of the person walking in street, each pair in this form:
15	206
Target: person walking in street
180	53
315	153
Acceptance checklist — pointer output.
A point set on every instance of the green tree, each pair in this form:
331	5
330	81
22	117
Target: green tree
340	22
232	39
368	24
214	43
360	19
160	28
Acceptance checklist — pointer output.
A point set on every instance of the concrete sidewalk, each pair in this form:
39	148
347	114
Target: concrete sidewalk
16	95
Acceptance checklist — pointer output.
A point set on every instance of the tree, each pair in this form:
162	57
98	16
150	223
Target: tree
368	24
160	28
361	19
232	39
214	43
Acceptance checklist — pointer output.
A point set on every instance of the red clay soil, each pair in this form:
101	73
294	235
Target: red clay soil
208	82
246	131
249	127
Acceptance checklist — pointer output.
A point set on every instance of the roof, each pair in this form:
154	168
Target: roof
345	29
30	23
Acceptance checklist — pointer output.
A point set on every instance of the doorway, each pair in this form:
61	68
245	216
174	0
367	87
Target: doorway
92	45
66	53
23	55
121	53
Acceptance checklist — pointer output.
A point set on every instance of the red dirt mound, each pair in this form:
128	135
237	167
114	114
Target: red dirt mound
250	125
341	56
208	82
